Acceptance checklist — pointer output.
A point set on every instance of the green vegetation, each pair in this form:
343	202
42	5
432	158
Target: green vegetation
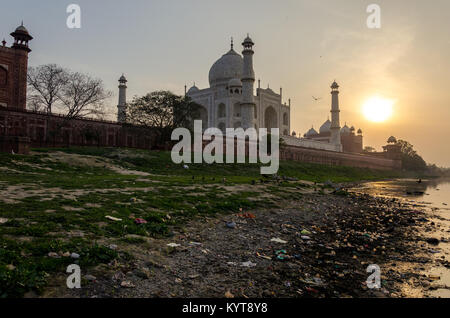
57	201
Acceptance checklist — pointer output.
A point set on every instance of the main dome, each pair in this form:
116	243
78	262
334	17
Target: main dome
229	66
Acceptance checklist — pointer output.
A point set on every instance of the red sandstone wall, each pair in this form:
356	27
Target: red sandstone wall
56	131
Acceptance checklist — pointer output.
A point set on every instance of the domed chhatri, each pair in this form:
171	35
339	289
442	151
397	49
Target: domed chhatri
21	38
193	89
334	85
311	132
392	140
345	129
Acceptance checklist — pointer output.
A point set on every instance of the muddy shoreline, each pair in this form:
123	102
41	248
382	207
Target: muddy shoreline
316	245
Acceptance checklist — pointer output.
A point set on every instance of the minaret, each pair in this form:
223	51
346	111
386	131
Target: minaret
19	67
248	80
122	105
335	125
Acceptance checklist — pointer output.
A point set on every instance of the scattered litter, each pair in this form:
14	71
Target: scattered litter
75	255
53	255
305	232
140	221
281	255
127	284
134	200
195	243
278	240
10	267
90	278
247	215
231	225
305	237
112	247
173	245
185	167
248	264
113	218
228	294
263	256
3	220
178	280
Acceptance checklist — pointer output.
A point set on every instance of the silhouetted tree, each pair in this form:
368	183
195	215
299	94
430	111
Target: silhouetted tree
410	158
162	111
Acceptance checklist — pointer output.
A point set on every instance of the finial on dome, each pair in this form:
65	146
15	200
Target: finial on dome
4	42
232	43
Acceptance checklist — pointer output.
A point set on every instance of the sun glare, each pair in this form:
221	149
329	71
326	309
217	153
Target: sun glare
378	109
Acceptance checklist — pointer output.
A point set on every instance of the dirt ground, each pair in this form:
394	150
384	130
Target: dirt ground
316	246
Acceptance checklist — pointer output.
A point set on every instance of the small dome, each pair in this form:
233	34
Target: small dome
359	131
392	140
193	89
235	82
311	132
352	128
21	29
325	127
122	79
334	85
248	41
294	133
228	67
345	130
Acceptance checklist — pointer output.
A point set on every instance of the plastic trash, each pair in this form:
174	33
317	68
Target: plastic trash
248	264
173	245
278	240
113	218
231	225
140	221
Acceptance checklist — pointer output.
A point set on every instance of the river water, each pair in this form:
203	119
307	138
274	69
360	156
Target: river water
434	197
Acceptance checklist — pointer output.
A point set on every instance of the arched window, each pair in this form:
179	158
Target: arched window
237	110
285	119
270	118
222	111
3	76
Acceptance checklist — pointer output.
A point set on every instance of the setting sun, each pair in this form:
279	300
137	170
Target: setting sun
378	109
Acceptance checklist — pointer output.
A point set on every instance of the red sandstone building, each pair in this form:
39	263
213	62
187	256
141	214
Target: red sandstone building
21	128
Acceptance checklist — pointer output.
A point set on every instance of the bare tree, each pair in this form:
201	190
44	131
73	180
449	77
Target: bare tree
83	96
75	95
45	82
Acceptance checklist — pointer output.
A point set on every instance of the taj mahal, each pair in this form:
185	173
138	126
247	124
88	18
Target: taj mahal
230	102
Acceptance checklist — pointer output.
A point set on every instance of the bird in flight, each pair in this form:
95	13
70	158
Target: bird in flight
316	98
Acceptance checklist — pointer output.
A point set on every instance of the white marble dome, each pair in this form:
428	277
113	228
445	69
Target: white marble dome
229	66
193	89
311	132
326	127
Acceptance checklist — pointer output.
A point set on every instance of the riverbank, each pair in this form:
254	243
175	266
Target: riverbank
114	212
316	244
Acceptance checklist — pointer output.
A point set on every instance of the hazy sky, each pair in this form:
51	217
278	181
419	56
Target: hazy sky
300	45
